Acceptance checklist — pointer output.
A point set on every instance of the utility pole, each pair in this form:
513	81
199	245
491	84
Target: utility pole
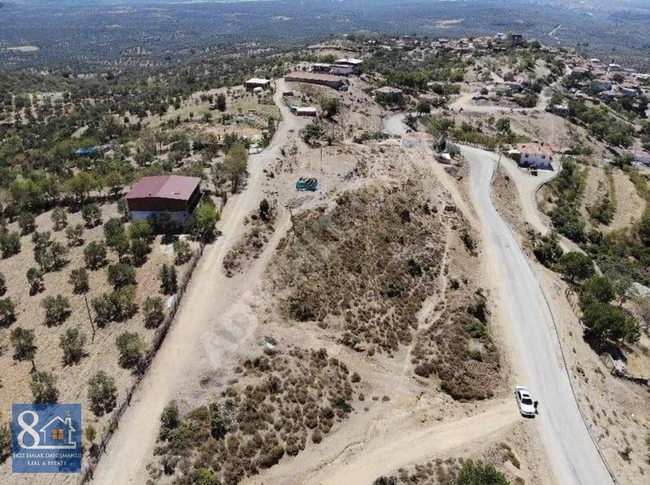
92	324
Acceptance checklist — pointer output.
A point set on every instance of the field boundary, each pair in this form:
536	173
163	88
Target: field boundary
158	339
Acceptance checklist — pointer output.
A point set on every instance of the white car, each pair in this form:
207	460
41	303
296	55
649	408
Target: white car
524	401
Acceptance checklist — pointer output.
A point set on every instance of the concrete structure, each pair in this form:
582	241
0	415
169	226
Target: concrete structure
174	195
533	155
334	82
355	64
321	67
306	111
341	70
389	93
253	83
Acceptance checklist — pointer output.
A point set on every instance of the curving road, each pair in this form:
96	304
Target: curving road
568	443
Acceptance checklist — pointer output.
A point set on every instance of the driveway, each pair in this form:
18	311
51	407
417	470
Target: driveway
568	443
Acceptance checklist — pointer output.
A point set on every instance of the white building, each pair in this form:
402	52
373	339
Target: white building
534	155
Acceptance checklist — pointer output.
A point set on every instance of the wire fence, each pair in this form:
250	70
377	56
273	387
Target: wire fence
159	337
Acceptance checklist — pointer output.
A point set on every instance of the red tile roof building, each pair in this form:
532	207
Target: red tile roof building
172	194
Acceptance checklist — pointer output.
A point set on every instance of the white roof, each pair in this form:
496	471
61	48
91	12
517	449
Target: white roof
257	80
349	61
307	109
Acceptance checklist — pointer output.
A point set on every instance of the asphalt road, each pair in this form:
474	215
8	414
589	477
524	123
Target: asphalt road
569	446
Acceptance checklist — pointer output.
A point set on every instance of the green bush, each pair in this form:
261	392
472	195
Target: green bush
610	322
480	474
131	346
576	266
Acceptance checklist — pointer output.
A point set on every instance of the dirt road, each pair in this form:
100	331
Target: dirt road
209	296
568	443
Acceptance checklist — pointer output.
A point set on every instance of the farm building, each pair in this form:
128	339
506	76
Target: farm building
354	64
533	155
315	78
254	83
164	194
306	111
389	94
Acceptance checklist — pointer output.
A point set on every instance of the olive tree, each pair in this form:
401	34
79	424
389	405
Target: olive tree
57	310
24	345
43	386
130	346
72	343
102	393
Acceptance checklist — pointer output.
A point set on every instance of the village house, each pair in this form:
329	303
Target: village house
254	83
305	111
356	65
174	195
533	155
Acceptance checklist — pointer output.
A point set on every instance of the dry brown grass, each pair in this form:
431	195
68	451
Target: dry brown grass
279	404
101	353
250	247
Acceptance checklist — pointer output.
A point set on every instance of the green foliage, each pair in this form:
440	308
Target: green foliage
217	423
10	244
168	279
154	311
121	274
596	289
330	106
79	281
74	235
24	344
265	210
95	255
27	223
92	215
59	218
235	166
202	223
51	257
603	211
102	393
131	346
568	188
169	420
203	476
576	266
35	280
221	102
140	230
478	310
182	252
7	312
117	306
601	124
478	329
57	310
90	433
139	251
609	322
72	343
3	284
43	387
477	473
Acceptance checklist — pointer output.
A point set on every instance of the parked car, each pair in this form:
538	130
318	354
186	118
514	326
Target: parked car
524	401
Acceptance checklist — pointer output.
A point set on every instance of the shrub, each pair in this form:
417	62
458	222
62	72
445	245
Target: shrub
182	252
52	257
91	433
154	311
169	420
24	345
596	289
202	223
7	312
35	280
27	223
576	266
102	393
121	274
139	251
547	249
480	474
79	281
59	218
272	457
92	215
104	309
130	346
265	210
141	230
43	386
95	255
10	244
168	280
72	343
3	284
610	322
217	424
123	300
5	441
57	310
74	235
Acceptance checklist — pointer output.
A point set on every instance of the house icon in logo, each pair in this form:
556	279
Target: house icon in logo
57	434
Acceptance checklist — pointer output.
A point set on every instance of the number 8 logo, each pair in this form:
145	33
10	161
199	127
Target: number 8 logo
29	429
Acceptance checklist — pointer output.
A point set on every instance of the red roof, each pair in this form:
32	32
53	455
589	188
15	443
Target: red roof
165	187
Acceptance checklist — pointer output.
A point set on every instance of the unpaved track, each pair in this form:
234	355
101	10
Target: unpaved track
569	446
208	296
